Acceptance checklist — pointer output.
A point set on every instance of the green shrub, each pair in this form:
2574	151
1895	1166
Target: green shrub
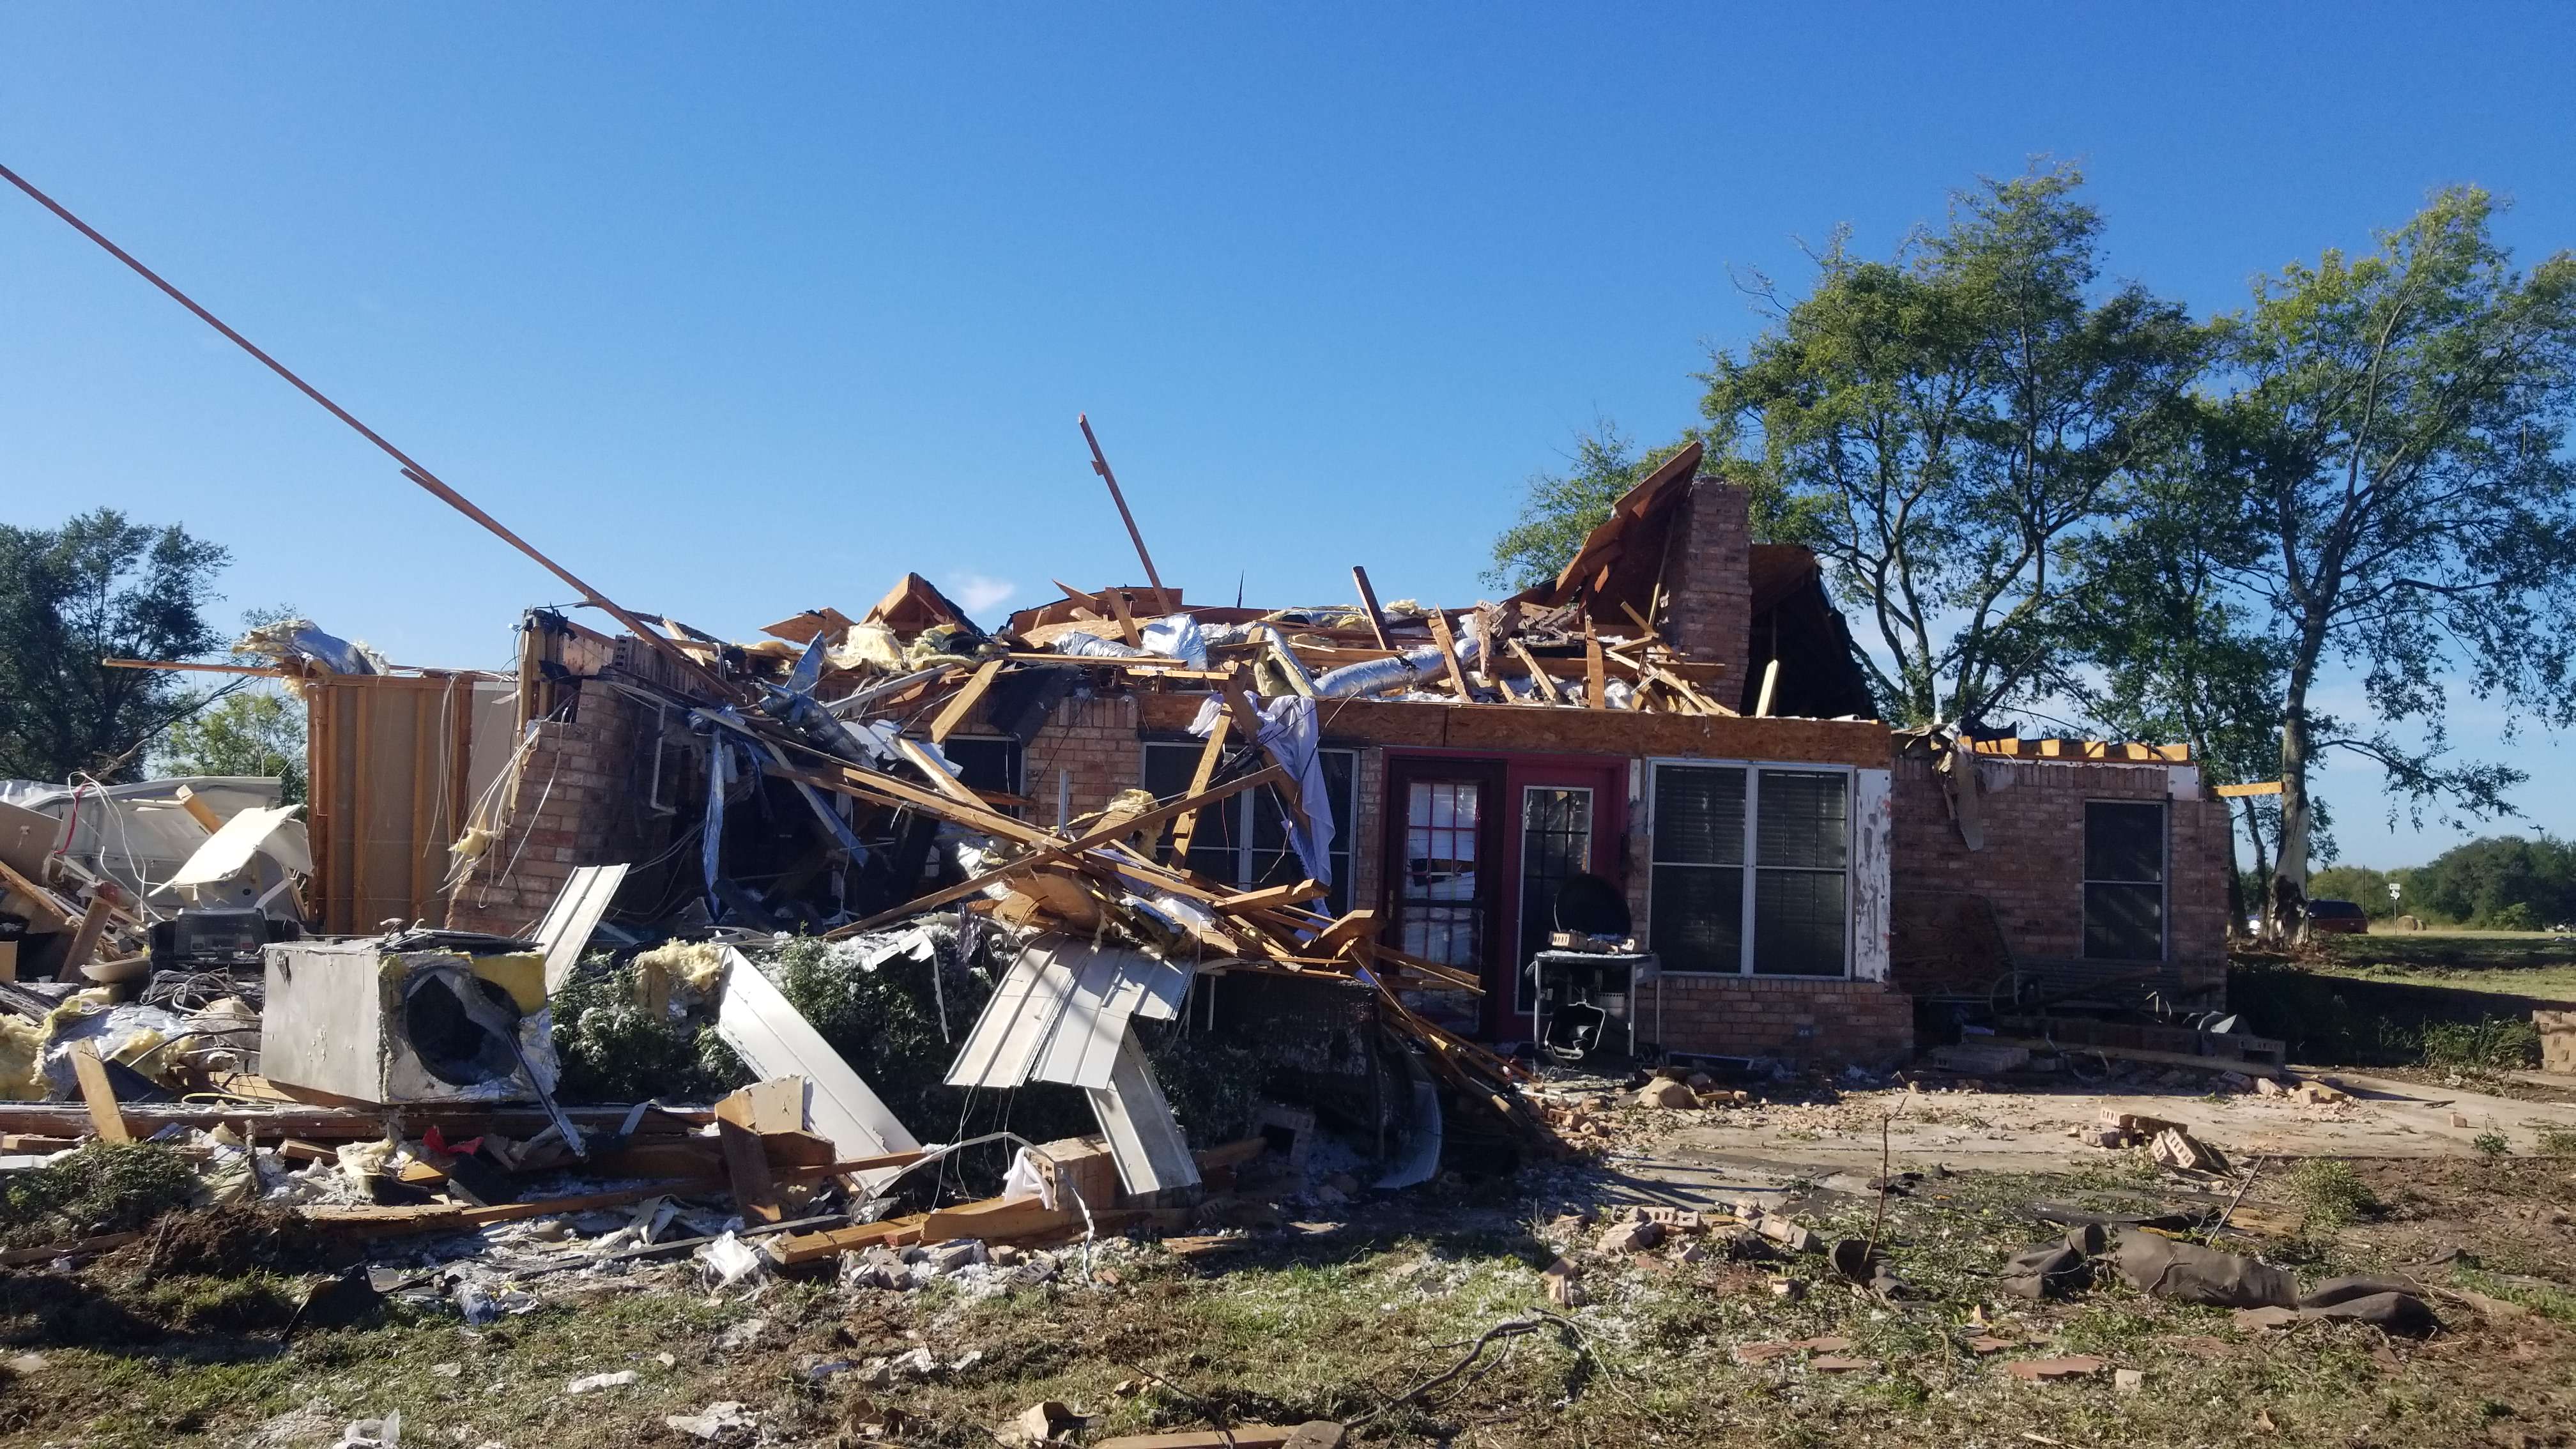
2556	1141
613	1050
2515	916
2491	1144
2332	1194
2496	1043
106	1187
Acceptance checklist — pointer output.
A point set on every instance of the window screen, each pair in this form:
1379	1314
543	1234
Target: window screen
2124	880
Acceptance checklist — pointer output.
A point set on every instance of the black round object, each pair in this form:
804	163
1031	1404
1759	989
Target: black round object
1587	905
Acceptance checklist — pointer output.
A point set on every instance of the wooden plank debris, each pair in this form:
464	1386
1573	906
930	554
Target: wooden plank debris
963	702
1369	607
98	1095
1448	647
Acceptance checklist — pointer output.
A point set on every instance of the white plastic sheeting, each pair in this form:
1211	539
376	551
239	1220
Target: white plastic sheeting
1293	740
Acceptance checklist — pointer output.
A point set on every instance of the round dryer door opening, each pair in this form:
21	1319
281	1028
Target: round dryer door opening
451	1046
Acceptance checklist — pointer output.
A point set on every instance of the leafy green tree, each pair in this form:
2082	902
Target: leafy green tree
1951	424
256	732
2175	656
97	587
2394	438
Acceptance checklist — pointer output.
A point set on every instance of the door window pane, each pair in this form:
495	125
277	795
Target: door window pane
1556	842
1442	919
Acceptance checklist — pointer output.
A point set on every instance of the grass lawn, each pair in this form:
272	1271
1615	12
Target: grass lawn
1343	1326
2517	963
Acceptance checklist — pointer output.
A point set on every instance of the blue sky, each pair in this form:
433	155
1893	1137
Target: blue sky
743	311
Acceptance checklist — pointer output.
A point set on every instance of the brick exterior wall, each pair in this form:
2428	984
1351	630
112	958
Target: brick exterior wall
1802	1022
1805	1023
2032	867
1708	580
1096	742
582	800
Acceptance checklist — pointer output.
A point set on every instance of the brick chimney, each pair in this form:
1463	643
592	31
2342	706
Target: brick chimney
1708	580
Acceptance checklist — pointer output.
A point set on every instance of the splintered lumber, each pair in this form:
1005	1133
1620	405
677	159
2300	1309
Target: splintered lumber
1056	848
1538	673
999	1220
1596	673
411	469
1125	613
793	1250
1100	465
1359	925
93	924
41	898
1210	756
98	1095
1368	608
198	810
1232	1154
1770	688
965	699
1448	647
946	783
456	1121
1285	895
457	1217
738	1123
19	1257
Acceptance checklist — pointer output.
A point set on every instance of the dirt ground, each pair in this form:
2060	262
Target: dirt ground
1342	1311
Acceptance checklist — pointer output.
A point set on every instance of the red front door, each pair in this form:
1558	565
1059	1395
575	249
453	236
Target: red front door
1475	851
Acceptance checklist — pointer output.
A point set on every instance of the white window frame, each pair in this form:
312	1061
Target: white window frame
1751	867
2164	878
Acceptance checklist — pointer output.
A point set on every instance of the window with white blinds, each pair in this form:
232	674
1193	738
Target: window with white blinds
1751	870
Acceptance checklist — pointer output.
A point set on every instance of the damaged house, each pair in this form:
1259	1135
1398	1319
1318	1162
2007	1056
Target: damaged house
1666	760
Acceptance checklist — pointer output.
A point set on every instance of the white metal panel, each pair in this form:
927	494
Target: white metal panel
573	916
1083	1043
774	1040
1144	1139
1015	1024
1873	838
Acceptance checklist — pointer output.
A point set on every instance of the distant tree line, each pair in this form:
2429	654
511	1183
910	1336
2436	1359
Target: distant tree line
2041	495
2502	882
